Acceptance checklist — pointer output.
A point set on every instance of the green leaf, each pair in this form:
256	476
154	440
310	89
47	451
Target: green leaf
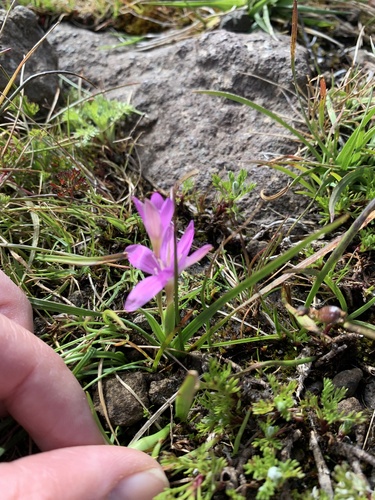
47	305
348	179
356	141
80	260
149	442
186	394
155	327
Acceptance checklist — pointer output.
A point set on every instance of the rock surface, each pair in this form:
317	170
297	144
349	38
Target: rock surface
369	394
161	390
183	130
122	407
20	33
348	379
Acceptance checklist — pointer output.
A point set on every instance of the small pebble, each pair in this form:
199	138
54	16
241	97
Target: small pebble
349	379
349	405
315	388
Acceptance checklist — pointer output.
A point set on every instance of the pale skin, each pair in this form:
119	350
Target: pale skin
40	392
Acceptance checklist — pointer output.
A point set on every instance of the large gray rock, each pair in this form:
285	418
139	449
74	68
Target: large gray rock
183	130
20	33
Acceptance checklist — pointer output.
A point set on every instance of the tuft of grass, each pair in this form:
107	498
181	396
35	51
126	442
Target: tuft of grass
335	165
145	16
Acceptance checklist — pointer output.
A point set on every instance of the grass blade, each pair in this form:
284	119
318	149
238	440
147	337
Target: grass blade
337	191
47	305
269	268
339	250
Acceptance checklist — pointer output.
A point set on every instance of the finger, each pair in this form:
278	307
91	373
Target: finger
41	393
14	303
83	472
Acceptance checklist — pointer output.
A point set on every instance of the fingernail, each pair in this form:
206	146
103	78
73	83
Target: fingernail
142	486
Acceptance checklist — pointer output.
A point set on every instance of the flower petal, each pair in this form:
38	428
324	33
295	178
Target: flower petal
142	258
157	200
146	290
167	248
152	222
156	214
196	256
184	245
139	206
166	213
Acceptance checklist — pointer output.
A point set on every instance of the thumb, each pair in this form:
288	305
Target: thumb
94	472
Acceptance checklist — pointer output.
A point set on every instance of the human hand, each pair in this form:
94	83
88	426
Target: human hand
41	393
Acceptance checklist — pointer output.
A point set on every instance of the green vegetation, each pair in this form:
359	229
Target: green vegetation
67	217
335	165
232	190
138	19
328	412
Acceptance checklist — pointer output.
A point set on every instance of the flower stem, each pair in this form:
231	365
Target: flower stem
160	307
175	264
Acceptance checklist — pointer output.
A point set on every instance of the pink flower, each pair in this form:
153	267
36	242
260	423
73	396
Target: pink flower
159	263
156	215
